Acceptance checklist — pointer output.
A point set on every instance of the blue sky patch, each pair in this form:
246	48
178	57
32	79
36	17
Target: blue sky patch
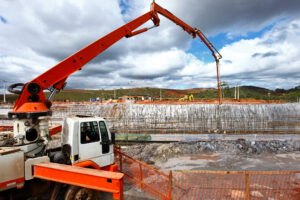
3	20
199	49
124	6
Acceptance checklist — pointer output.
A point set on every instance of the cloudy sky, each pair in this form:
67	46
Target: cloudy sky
259	41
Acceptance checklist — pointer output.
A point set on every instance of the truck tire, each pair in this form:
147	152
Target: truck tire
80	193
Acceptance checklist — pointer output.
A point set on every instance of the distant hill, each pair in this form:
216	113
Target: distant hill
253	92
257	89
249	92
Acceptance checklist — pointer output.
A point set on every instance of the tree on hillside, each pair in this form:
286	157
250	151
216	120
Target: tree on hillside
225	89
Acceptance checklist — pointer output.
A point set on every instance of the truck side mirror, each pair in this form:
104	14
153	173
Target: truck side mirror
113	137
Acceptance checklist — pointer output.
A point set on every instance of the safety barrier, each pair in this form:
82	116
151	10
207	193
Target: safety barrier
146	178
209	184
236	185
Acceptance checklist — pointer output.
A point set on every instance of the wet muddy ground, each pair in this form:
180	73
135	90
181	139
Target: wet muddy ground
227	161
239	155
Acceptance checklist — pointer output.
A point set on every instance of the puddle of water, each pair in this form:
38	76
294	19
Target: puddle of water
205	156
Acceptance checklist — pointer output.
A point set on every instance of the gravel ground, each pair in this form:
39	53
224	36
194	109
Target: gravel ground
220	155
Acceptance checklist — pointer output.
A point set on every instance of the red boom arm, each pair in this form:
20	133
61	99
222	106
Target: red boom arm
32	101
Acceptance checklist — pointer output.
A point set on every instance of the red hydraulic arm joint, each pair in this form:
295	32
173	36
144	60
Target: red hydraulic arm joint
32	101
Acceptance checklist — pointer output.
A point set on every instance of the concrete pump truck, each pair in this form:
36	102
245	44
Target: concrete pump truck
85	159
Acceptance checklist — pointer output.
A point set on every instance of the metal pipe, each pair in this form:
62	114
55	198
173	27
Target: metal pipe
53	92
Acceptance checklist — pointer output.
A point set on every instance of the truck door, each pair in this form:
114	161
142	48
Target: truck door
104	137
90	146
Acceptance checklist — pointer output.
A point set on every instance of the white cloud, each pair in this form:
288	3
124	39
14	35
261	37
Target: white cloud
271	60
153	64
38	35
231	16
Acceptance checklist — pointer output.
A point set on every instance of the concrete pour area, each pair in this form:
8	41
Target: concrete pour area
237	155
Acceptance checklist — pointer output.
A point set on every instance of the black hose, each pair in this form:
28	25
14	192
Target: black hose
12	87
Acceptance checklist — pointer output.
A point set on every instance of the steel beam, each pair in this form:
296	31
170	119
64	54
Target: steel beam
84	177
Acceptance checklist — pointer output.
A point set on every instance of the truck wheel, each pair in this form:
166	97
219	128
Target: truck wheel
79	193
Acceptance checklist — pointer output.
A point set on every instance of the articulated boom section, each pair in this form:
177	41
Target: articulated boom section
32	102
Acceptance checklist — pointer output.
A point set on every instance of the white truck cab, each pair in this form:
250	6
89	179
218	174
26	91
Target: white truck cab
89	139
83	139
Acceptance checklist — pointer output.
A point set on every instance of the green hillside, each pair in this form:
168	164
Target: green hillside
246	92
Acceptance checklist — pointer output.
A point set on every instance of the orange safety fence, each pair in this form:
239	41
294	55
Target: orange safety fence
188	185
144	177
236	185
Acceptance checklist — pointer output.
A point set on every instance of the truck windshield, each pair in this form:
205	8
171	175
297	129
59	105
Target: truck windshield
89	132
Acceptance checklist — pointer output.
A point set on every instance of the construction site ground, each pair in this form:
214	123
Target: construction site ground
210	151
222	155
217	155
237	154
227	161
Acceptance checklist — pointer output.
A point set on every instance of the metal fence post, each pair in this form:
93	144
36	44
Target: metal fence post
141	176
121	162
170	184
247	186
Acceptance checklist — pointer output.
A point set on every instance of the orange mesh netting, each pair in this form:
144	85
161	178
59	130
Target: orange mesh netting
179	185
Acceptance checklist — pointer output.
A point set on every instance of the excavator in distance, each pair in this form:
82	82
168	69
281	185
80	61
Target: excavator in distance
86	141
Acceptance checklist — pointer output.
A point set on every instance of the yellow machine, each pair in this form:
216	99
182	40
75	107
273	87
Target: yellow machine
187	98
